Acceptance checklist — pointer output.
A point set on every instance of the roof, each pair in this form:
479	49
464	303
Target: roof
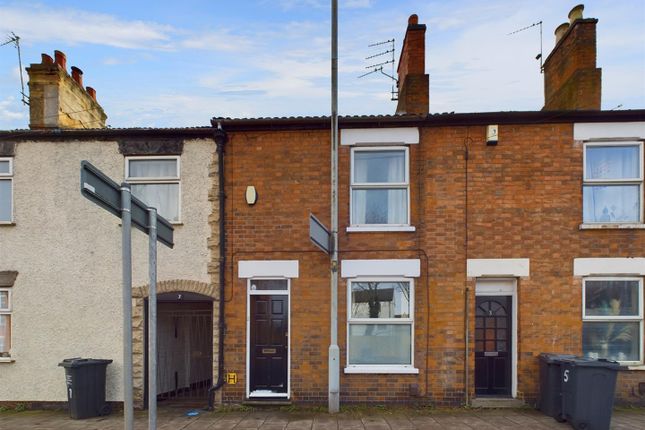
323	123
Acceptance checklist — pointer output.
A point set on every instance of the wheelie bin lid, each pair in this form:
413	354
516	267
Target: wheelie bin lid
591	362
551	358
79	362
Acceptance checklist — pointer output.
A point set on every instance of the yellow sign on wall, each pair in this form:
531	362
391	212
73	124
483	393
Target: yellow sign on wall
231	378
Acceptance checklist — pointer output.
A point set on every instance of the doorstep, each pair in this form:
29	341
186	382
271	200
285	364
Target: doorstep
497	402
267	401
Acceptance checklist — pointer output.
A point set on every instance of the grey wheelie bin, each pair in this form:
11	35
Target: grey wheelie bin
85	381
588	392
550	398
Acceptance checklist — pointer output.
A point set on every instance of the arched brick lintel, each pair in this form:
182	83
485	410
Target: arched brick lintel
176	285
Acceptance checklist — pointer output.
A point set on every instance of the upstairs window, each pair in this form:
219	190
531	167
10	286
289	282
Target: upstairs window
156	182
6	190
613	182
380	183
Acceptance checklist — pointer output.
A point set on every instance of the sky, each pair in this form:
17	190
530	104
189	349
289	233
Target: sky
180	63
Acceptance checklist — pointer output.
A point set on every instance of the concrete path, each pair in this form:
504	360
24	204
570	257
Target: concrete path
359	419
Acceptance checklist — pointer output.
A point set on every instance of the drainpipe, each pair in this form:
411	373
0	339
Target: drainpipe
221	138
466	287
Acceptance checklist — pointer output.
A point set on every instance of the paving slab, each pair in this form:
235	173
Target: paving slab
174	418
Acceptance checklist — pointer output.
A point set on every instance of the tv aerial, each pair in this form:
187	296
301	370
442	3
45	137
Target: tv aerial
535	24
378	67
15	40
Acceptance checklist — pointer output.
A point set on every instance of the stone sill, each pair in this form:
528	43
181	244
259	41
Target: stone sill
381	228
6	360
7	223
612	226
382	369
636	367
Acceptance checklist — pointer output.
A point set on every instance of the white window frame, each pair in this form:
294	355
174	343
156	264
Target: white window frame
249	293
591	182
384	185
157	179
8	177
619	318
7	311
381	368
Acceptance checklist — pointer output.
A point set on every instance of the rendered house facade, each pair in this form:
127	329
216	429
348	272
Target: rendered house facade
60	255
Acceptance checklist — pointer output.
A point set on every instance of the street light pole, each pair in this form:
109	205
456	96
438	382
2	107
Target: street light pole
334	353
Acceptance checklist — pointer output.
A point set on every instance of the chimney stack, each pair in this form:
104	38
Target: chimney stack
413	82
58	100
571	79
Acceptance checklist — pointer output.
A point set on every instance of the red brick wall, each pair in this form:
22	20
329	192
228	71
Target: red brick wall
524	201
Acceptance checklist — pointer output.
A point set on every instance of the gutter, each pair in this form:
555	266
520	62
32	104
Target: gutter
221	138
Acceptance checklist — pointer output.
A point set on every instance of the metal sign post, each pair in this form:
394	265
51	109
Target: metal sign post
118	200
152	321
126	240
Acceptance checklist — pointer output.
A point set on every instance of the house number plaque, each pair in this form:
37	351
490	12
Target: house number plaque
268	351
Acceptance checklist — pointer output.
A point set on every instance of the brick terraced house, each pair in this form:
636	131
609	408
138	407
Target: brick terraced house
468	243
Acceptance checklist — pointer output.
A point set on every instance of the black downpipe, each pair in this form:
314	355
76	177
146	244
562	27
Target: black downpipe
221	138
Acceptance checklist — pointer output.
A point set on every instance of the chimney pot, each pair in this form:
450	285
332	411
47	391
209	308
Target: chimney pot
576	13
46	59
61	59
560	31
413	20
77	75
91	91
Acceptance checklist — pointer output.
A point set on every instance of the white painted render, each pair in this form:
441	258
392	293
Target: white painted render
67	250
379	136
605	130
410	268
267	268
608	266
477	267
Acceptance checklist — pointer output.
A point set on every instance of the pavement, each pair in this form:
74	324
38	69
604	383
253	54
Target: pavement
311	419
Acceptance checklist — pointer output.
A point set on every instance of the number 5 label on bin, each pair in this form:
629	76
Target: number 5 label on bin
566	376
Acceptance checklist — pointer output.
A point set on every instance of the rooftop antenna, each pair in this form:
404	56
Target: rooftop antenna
13	38
378	67
535	24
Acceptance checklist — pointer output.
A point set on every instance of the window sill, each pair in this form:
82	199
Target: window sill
382	369
6	360
6	223
635	367
367	228
609	226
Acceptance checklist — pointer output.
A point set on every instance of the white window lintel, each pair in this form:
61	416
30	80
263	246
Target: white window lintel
409	268
380	136
609	266
499	267
268	268
381	369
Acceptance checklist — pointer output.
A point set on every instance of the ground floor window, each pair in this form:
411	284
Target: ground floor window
5	322
613	318
380	326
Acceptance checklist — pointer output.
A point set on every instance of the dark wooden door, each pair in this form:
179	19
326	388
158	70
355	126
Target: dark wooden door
269	343
493	345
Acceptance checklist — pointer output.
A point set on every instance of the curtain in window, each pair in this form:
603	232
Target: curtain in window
612	162
5	333
611	203
382	205
153	168
163	197
5	200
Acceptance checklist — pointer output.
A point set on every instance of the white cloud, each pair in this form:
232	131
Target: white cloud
12	113
36	23
218	41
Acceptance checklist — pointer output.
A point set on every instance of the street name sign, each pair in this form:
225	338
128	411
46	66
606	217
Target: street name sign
100	189
319	234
